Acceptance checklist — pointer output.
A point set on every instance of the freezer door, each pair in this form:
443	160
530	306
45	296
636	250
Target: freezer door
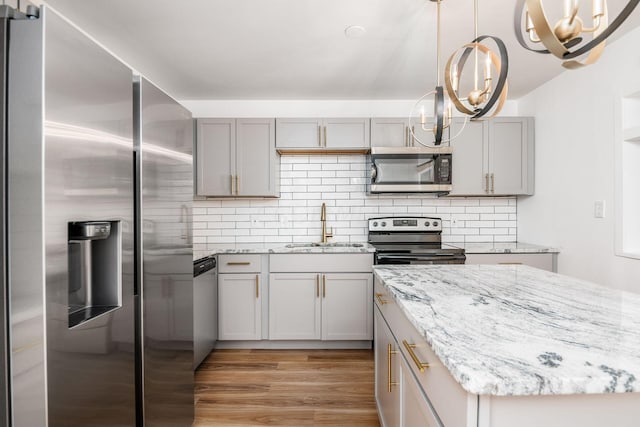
166	179
88	163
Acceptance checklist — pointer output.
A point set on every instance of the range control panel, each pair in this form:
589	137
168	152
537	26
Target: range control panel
405	224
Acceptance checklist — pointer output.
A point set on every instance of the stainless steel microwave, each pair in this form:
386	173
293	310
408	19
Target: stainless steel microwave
410	170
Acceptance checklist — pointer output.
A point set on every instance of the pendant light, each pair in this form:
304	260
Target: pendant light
568	31
483	98
442	106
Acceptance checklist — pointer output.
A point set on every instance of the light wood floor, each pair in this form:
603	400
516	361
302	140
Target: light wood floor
286	388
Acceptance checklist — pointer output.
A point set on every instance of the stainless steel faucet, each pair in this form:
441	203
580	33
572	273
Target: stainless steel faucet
323	218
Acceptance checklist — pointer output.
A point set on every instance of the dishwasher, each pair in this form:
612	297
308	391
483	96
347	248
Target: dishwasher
205	308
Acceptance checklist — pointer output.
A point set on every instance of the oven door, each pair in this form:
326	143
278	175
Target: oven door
416	258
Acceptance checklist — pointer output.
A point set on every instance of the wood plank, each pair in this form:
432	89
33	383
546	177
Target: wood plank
286	388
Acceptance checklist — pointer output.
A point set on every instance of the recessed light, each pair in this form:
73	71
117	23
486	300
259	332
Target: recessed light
354	31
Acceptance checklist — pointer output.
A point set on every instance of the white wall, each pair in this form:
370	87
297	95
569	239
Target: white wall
577	115
339	181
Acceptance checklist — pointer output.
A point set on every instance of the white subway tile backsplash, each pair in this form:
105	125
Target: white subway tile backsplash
340	182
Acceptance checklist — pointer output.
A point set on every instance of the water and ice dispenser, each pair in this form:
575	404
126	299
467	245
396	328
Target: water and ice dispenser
95	269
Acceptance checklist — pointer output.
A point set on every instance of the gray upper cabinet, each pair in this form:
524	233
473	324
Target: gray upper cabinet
237	157
322	134
387	132
400	132
215	157
511	155
299	133
494	157
346	134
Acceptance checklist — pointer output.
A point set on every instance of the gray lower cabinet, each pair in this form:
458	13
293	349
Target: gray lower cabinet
240	296
236	157
400	400
494	157
316	134
320	297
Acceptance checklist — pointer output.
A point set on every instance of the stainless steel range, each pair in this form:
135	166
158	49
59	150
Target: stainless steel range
411	240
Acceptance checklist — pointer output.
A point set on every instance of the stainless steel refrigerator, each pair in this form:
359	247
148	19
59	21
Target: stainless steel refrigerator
95	234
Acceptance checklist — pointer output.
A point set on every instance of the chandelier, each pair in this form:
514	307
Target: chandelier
568	32
482	98
442	106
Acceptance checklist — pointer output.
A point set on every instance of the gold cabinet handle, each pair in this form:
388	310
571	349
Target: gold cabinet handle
238	263
324	286
319	136
406	136
231	184
493	184
325	136
318	286
509	263
421	365
380	300
390	352
486	183
257	286
412	136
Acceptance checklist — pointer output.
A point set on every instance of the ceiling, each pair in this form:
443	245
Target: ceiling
297	49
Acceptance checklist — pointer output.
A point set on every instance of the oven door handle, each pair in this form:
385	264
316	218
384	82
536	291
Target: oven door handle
412	256
429	257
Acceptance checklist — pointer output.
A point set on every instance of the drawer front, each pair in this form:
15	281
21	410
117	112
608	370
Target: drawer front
239	263
453	405
381	298
541	261
314	263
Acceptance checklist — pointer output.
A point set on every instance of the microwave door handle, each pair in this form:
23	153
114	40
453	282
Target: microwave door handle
374	172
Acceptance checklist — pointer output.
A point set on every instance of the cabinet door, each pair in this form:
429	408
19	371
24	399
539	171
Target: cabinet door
387	372
509	139
294	306
390	132
215	157
239	313
424	134
470	160
346	133
256	157
299	133
347	306
415	410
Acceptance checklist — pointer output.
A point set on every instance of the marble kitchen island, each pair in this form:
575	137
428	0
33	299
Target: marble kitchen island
510	346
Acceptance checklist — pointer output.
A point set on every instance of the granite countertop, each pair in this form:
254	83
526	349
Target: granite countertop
295	248
516	330
503	248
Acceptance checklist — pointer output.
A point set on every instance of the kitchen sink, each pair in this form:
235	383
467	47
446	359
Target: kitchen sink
324	245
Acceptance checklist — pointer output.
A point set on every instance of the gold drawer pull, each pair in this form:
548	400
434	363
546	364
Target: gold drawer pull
257	286
318	286
324	286
380	300
421	365
509	263
239	263
390	352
